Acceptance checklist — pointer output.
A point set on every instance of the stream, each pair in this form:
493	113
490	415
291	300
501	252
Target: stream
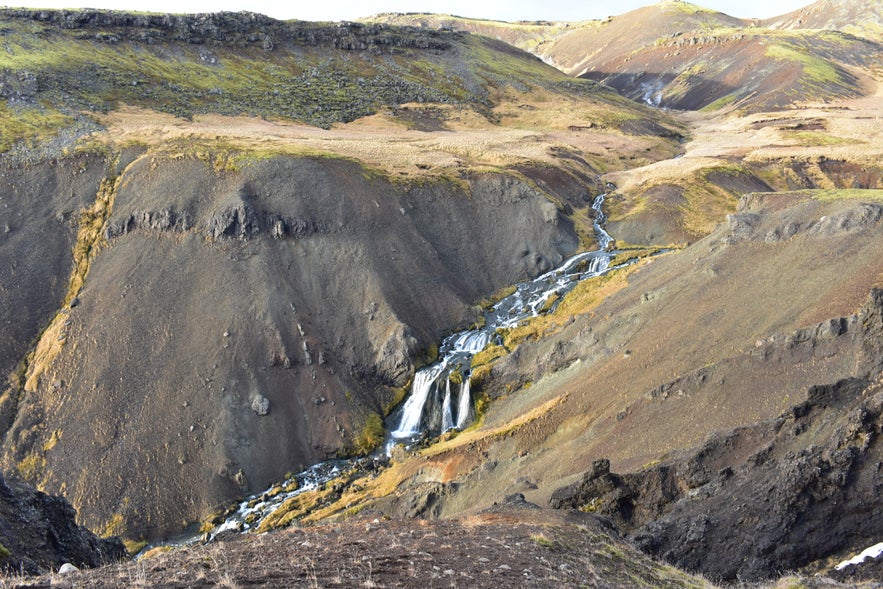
431	407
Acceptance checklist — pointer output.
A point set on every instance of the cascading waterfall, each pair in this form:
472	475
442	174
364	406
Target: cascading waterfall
412	410
447	414
464	405
427	411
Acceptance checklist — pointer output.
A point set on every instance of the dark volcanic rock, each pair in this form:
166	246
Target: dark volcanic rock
232	29
40	533
758	500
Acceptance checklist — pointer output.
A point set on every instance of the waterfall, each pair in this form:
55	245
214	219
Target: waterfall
412	412
447	417
464	405
426	407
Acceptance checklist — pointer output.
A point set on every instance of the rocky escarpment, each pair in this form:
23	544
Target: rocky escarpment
239	324
230	63
779	495
39	533
232	29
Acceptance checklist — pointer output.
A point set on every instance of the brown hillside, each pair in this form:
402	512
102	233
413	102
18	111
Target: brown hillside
527	35
744	68
678	55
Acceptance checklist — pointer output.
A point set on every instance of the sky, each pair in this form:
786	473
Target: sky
508	10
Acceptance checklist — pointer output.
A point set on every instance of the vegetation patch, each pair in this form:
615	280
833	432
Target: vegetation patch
31	467
815	69
844	194
720	103
29	124
115	526
90	236
309	502
52	441
500	294
631	253
370	436
133	547
583	299
814	139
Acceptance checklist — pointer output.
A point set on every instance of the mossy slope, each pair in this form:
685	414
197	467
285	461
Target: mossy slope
57	64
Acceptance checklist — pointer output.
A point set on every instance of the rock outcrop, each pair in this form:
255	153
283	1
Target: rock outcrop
232	29
38	533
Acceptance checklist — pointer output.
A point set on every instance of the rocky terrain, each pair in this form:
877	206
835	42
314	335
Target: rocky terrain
231	245
513	545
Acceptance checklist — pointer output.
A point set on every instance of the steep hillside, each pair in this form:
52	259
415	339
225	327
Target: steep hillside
684	57
231	298
580	50
637	378
229	243
727	335
744	68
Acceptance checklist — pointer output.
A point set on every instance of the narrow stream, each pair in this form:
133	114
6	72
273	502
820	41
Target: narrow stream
431	408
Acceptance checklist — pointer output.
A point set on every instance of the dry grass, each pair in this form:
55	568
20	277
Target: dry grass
583	299
531	124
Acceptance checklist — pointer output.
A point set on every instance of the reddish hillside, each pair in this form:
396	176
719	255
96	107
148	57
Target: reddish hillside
678	55
599	42
754	68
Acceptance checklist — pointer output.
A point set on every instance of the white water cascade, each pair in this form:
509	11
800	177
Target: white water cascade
447	413
464	405
429	409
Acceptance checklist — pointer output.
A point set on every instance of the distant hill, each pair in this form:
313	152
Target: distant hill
862	18
527	35
679	55
588	46
748	68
